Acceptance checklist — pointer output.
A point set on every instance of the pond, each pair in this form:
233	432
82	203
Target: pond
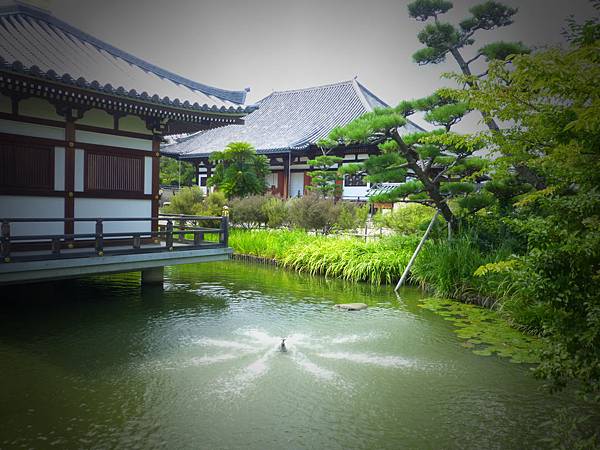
101	362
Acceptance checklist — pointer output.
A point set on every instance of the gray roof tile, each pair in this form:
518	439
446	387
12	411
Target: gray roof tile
37	43
287	120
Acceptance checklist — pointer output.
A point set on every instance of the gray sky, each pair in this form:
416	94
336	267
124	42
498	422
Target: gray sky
285	44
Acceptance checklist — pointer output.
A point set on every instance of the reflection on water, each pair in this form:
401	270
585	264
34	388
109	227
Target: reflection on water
103	363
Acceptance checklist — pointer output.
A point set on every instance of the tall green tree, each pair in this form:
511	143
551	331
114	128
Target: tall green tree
324	177
176	173
433	167
551	103
239	171
442	39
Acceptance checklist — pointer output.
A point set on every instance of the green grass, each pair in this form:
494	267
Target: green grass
348	258
447	268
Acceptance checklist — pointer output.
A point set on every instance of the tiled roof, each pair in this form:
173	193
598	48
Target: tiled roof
288	120
34	42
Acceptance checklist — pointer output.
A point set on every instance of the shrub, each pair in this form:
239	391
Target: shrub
213	203
351	216
187	201
276	212
410	219
313	213
248	212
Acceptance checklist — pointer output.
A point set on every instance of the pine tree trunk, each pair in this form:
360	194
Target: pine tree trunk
464	67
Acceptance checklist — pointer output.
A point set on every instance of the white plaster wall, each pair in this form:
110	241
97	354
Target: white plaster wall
79	169
272	180
97	118
19	206
90	137
40	108
5	104
147	175
133	123
296	184
355	192
31	129
59	168
106	207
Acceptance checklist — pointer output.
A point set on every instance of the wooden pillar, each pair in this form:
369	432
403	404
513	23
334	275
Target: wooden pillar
153	276
208	166
155	181
69	174
286	175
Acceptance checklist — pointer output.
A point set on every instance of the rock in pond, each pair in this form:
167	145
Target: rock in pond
351	306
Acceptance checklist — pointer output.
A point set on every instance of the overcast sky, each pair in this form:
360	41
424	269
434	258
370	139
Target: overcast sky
272	45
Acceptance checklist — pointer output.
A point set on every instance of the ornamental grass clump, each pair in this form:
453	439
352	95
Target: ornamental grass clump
265	243
352	259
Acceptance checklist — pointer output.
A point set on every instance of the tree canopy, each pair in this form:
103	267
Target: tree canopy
441	39
239	171
550	102
433	167
175	173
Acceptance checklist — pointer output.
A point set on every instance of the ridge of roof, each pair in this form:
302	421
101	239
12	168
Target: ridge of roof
363	89
308	89
238	97
361	95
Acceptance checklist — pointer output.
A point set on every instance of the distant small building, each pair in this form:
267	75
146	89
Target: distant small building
286	128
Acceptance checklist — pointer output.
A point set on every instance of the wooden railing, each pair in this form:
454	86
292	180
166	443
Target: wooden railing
177	232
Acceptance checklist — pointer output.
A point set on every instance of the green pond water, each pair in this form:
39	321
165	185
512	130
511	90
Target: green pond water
104	363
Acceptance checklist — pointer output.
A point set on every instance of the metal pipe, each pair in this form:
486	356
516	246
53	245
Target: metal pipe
418	249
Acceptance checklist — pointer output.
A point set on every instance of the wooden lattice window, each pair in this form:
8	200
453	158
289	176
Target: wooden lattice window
26	166
354	180
110	172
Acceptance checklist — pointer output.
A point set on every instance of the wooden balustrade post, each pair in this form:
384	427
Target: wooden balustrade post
56	246
181	236
169	236
5	244
224	231
99	238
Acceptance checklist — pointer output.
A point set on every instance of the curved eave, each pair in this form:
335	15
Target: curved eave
238	97
66	80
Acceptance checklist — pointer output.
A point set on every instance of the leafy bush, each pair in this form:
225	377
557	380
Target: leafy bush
248	212
187	201
276	212
213	203
313	213
351	216
410	219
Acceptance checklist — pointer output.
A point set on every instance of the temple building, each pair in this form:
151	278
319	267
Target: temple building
81	124
286	127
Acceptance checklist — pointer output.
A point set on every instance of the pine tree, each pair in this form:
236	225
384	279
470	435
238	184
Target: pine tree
433	167
324	178
442	39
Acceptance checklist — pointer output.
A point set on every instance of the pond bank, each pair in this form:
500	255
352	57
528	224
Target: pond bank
444	269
